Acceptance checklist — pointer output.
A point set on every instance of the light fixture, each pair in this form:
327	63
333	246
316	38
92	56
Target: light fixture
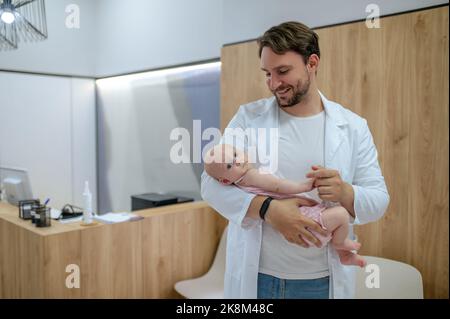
7	16
21	20
153	77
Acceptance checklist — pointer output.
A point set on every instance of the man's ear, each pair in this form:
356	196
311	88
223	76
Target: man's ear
313	61
224	181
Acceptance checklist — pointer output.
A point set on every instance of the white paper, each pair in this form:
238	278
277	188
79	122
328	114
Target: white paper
111	218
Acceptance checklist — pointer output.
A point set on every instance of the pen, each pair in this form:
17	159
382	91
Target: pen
46	201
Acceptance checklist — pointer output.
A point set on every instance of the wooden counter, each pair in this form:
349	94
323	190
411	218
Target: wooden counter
136	259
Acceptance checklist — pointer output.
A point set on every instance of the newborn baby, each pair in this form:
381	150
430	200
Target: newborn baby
231	166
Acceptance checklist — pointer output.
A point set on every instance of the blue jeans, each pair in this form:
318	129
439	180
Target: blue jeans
270	287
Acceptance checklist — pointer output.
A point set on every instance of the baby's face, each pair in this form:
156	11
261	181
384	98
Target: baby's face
231	163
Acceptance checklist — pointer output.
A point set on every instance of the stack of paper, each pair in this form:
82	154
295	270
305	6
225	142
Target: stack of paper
111	218
71	220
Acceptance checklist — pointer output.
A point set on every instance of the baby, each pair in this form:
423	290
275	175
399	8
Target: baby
230	166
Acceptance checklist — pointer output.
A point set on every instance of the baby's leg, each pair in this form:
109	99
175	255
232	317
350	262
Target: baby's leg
349	258
336	220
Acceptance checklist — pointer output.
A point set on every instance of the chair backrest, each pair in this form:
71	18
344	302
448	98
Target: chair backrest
218	265
388	279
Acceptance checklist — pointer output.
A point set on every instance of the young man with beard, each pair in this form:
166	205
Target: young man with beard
267	256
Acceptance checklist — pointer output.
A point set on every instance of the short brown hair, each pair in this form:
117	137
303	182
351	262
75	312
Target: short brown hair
291	36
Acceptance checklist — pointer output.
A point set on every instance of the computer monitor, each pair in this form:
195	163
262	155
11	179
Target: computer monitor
16	184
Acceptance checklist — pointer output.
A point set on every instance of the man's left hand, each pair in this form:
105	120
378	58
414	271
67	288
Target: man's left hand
329	183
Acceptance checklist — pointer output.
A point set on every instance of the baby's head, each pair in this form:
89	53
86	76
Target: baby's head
226	164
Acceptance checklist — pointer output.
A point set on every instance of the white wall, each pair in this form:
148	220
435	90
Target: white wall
47	126
84	142
66	51
138	35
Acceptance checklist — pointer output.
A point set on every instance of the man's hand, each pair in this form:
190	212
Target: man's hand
284	216
331	187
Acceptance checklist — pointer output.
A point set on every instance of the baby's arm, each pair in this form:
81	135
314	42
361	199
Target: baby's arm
272	183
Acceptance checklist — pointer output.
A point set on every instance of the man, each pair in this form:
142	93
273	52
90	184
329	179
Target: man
267	256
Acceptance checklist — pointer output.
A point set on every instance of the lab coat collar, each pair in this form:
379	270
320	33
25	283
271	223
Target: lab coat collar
333	129
333	111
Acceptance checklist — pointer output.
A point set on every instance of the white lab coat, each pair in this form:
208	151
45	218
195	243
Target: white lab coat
349	148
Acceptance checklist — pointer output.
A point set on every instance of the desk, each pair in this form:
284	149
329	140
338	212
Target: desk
136	259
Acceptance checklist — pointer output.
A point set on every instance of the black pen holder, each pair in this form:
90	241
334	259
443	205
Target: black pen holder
42	217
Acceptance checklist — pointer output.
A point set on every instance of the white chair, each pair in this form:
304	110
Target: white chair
210	285
397	280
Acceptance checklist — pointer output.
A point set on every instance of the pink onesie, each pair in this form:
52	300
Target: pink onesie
313	212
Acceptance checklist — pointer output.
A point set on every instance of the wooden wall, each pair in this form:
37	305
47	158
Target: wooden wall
397	78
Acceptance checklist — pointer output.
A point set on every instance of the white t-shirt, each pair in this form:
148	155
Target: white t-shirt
301	145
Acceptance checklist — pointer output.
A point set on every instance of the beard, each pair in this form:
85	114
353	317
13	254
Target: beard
298	93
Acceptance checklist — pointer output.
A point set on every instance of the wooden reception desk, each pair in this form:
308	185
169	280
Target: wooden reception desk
135	259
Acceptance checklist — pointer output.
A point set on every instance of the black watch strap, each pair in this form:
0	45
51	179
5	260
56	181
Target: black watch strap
265	207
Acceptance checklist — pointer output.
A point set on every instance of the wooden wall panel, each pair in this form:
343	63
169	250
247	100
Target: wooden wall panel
397	78
242	80
428	198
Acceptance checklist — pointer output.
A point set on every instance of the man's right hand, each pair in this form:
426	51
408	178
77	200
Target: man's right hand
284	216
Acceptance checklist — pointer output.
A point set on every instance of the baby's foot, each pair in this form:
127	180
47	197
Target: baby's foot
347	245
357	260
361	261
351	259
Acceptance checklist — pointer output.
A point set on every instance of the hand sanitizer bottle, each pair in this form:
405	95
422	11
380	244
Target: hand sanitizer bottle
2	194
87	212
